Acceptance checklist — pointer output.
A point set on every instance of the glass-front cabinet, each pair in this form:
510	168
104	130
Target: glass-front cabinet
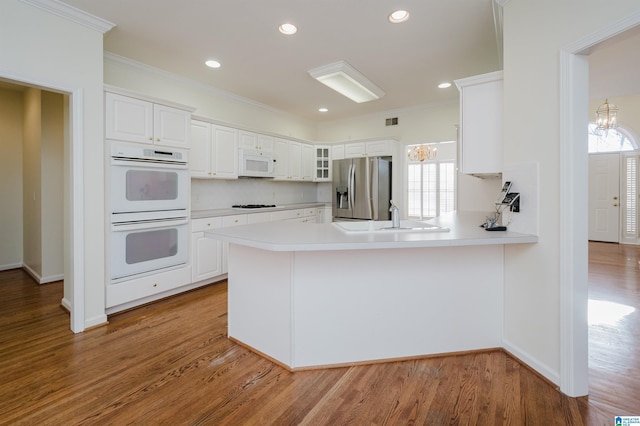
323	163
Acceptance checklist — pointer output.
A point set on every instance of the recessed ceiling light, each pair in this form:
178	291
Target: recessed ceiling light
323	109
398	16
444	85
288	29
212	63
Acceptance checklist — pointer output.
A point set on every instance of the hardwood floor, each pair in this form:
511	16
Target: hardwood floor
171	363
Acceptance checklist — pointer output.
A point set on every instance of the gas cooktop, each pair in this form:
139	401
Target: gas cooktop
252	206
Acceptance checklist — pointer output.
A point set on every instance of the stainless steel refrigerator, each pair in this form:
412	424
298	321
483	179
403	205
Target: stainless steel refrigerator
361	188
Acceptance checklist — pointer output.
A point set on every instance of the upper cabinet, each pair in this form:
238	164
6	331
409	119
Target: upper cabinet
214	151
137	120
251	140
322	159
294	160
368	149
480	136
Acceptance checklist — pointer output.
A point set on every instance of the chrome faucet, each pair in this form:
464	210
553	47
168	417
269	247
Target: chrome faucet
395	215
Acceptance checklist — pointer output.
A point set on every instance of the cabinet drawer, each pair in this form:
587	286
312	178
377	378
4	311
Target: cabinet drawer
205	224
282	215
234	220
310	211
259	217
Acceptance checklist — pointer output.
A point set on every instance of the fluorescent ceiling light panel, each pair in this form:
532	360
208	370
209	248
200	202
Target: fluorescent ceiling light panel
346	80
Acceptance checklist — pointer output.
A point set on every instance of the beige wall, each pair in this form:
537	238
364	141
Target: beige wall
73	55
532	133
52	179
11	117
32	189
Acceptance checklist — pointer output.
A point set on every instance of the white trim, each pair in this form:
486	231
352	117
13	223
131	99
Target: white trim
76	213
75	258
10	266
73	14
531	361
574	370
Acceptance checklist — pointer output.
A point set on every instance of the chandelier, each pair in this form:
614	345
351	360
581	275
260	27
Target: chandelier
422	152
606	116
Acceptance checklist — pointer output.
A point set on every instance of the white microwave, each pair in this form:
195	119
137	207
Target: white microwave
254	163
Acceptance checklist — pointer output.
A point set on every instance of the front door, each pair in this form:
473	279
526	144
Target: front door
604	197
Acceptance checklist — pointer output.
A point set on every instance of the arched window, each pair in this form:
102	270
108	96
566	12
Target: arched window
612	140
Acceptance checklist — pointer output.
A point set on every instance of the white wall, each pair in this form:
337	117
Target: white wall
73	56
209	102
11	117
532	133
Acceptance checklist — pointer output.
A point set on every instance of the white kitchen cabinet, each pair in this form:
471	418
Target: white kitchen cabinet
324	215
307	160
480	138
206	252
322	163
288	155
257	141
228	221
337	152
368	149
214	152
137	120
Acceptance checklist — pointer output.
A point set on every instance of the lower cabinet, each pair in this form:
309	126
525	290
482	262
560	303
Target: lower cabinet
209	256
206	259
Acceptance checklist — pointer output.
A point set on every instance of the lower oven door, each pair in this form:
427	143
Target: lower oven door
146	247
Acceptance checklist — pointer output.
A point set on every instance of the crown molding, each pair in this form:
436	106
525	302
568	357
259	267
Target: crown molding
72	14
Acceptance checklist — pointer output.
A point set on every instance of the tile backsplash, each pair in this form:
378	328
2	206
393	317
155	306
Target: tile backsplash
219	194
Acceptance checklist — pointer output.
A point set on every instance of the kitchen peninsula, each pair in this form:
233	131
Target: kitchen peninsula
314	295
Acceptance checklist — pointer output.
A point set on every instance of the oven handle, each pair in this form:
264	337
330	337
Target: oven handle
124	162
150	224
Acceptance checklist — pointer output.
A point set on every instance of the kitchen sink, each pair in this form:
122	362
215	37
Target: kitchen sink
385	226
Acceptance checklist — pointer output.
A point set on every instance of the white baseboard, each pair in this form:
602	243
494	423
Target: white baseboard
97	320
10	266
65	303
32	273
541	368
51	279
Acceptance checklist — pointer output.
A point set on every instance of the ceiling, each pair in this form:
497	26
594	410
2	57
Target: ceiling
441	41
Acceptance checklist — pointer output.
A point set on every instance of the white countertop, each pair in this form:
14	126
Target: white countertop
199	214
464	230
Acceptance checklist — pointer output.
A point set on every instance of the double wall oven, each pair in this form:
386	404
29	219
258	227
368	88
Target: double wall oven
149	199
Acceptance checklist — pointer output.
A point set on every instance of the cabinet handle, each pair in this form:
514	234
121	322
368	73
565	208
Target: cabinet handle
150	138
155	284
615	198
615	204
158	140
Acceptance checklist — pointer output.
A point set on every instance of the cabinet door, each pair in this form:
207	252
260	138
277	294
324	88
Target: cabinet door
171	126
295	161
356	149
281	154
378	148
247	140
337	152
200	161
207	257
265	143
224	154
322	166
307	159
128	119
481	124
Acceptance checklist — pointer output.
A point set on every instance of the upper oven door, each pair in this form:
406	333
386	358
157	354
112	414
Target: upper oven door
141	187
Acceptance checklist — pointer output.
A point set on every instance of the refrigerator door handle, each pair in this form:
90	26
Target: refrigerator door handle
352	186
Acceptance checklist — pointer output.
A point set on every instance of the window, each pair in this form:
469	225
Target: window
431	188
613	140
